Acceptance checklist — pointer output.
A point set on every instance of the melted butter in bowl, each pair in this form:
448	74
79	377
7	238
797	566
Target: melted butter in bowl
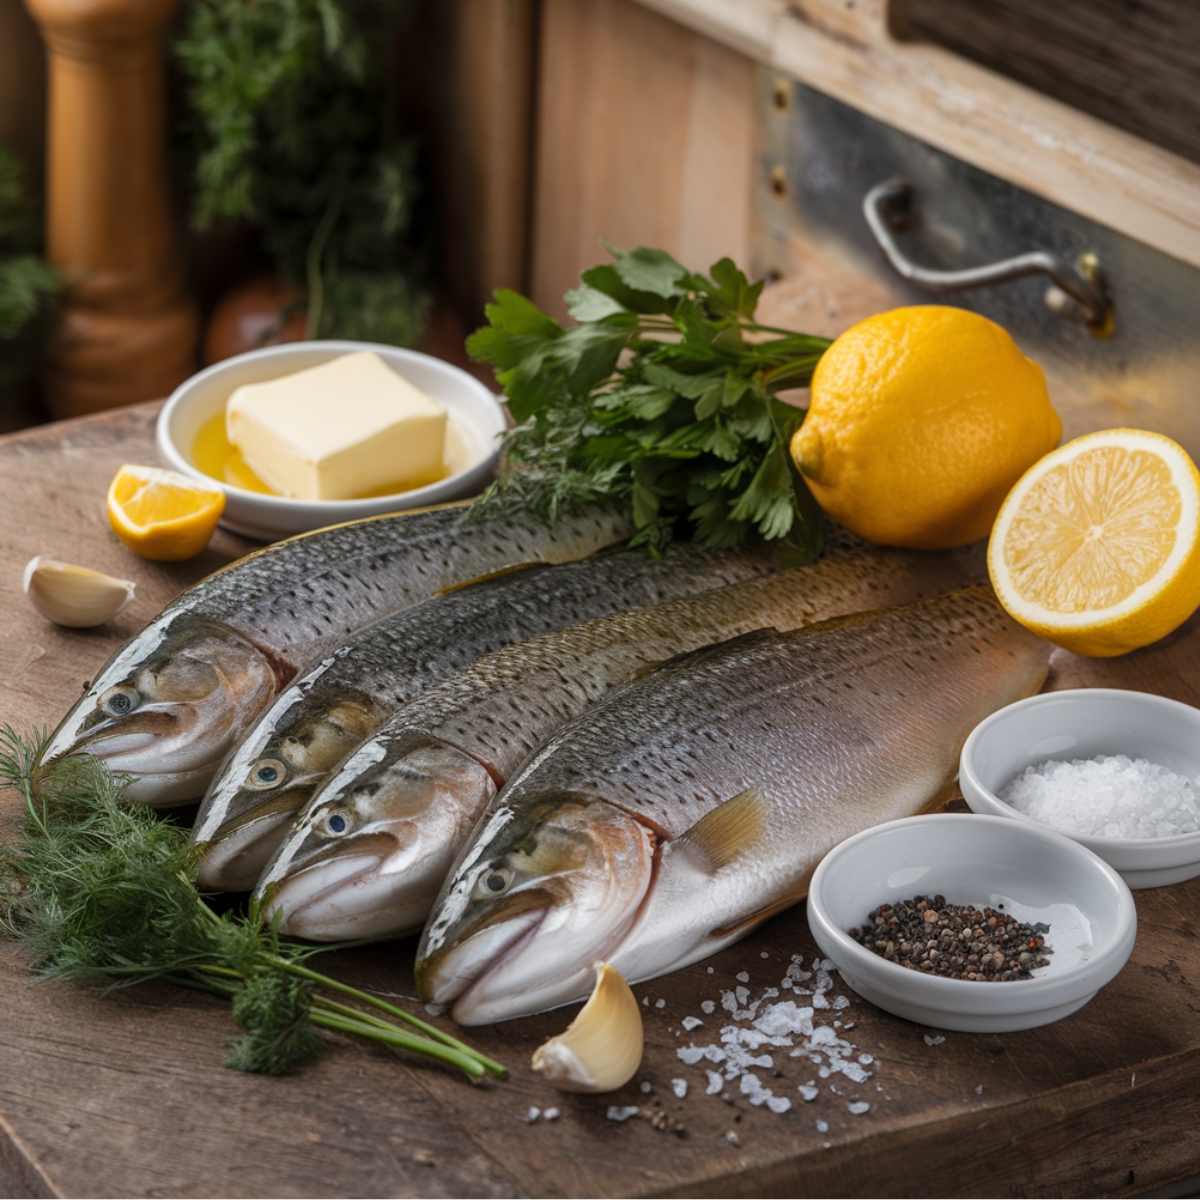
214	455
192	439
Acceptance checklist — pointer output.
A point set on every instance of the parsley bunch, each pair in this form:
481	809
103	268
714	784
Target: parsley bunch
663	397
99	888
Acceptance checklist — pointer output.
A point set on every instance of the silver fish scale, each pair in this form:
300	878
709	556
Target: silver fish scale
303	597
777	711
506	705
397	657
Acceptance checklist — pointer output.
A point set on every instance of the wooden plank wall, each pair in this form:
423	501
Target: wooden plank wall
1133	63
644	136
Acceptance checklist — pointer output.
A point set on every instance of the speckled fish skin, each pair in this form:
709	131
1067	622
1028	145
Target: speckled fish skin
168	706
672	818
322	715
367	857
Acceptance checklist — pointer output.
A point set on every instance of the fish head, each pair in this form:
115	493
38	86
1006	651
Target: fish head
273	775
545	890
368	856
168	706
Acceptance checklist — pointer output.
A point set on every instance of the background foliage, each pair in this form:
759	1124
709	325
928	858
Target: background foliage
291	125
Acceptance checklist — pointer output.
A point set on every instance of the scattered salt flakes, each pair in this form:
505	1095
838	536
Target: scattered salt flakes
716	1082
532	1115
934	1041
841	1002
854	1072
858	1107
733	1139
808	1092
551	1114
692	1054
835	1090
778	1104
616	1113
866	1059
819	1000
708	1006
823	1127
785	1018
646	1001
435	1010
743	977
646	1086
849	1025
742	993
979	1090
785	982
824	1072
679	1087
710	970
764	954
660	1004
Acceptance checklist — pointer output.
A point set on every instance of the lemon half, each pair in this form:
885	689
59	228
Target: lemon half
1097	546
162	515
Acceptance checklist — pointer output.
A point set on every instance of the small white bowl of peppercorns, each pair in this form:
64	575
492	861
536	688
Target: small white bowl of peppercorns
971	923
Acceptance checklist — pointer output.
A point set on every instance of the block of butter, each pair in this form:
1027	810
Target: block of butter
347	428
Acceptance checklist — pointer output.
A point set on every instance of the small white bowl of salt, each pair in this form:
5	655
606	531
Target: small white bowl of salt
1116	771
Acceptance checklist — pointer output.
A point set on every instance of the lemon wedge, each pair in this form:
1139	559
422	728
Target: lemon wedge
1097	546
162	515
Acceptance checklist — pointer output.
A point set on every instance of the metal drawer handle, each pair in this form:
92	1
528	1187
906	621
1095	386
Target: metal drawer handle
1079	294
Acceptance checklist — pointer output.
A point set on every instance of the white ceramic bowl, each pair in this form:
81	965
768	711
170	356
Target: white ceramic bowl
472	407
1036	874
1081	724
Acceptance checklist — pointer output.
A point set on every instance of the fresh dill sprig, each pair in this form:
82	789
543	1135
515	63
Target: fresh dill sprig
101	889
663	398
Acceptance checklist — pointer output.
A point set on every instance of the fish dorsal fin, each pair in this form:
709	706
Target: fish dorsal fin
750	639
725	834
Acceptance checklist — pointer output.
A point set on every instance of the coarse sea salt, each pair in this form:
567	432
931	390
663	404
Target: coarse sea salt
1110	796
761	1027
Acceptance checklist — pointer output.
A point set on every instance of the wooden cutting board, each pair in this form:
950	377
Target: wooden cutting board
125	1095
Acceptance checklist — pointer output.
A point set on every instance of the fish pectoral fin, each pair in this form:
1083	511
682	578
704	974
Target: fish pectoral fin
793	895
722	836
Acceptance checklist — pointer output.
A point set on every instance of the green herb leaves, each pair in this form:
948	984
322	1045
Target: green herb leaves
663	397
101	889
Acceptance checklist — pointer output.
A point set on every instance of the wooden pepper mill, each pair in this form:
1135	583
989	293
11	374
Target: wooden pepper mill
129	331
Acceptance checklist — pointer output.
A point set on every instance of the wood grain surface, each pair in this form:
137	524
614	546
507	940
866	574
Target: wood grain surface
125	1095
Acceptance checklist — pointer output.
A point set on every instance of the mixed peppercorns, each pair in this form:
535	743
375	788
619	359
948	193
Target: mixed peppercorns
957	941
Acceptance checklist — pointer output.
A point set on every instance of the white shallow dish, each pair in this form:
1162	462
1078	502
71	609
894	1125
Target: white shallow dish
1036	874
473	409
1082	724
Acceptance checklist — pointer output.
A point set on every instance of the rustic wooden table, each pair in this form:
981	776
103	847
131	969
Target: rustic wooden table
126	1096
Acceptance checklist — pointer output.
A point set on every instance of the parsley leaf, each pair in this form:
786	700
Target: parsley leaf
661	398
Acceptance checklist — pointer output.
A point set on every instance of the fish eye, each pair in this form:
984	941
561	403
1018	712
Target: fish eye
497	881
266	774
336	824
120	701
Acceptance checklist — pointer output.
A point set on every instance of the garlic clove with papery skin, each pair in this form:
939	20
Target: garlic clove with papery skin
602	1047
77	597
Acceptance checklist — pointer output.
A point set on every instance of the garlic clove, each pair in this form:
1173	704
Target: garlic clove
602	1047
74	596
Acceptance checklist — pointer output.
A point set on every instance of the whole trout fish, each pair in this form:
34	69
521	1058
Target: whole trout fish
675	816
169	705
328	710
367	858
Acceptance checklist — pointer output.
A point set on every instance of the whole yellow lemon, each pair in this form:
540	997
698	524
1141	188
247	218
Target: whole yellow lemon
920	421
